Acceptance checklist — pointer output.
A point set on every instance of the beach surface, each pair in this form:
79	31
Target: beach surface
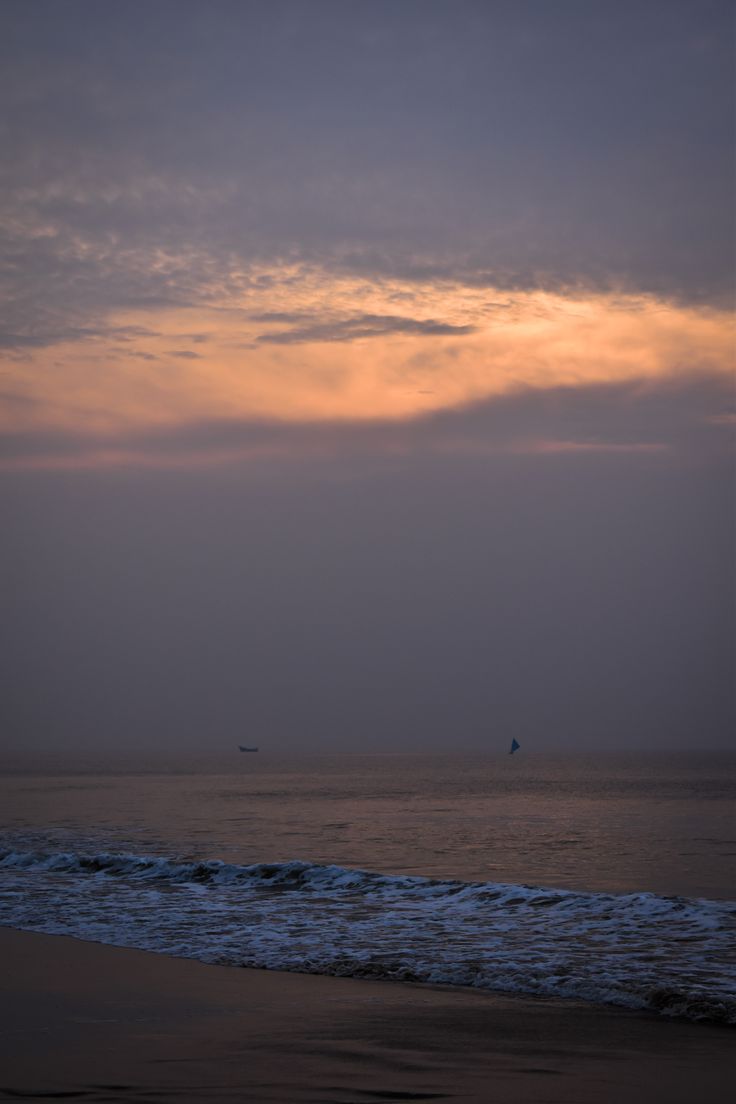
99	1023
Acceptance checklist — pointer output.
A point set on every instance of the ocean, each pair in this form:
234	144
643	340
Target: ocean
606	878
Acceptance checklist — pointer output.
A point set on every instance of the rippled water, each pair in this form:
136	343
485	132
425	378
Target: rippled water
399	866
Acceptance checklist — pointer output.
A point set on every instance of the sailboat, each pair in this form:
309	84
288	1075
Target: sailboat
515	745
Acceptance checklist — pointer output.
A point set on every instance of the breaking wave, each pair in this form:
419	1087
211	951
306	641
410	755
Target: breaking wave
672	955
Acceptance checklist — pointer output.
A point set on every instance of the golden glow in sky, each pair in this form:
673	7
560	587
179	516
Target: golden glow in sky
298	344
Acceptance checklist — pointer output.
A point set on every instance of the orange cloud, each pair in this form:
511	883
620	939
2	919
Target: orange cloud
300	344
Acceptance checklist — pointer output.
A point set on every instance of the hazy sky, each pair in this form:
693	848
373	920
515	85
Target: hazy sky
367	373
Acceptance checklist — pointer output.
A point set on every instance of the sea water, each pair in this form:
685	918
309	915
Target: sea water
608	878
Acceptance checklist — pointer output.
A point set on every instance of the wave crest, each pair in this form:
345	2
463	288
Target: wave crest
670	955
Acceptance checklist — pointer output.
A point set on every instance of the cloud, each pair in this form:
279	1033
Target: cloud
493	151
552	447
21	341
360	327
279	316
54	336
688	417
347	352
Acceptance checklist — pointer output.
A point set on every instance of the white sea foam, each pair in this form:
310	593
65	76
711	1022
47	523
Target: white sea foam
672	955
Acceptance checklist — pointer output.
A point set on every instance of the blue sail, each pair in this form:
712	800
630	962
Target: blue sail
514	747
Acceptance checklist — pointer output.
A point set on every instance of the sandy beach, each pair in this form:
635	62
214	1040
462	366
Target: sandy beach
99	1023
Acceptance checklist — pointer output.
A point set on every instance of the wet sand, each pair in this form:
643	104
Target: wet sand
95	1023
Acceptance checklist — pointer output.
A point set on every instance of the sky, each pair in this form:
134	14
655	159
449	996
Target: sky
367	374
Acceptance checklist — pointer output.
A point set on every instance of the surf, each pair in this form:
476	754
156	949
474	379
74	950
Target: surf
670	955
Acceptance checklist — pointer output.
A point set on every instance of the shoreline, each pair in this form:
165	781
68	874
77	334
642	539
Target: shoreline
112	1024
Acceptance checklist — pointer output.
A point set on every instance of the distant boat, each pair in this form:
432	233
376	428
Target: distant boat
514	747
241	748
